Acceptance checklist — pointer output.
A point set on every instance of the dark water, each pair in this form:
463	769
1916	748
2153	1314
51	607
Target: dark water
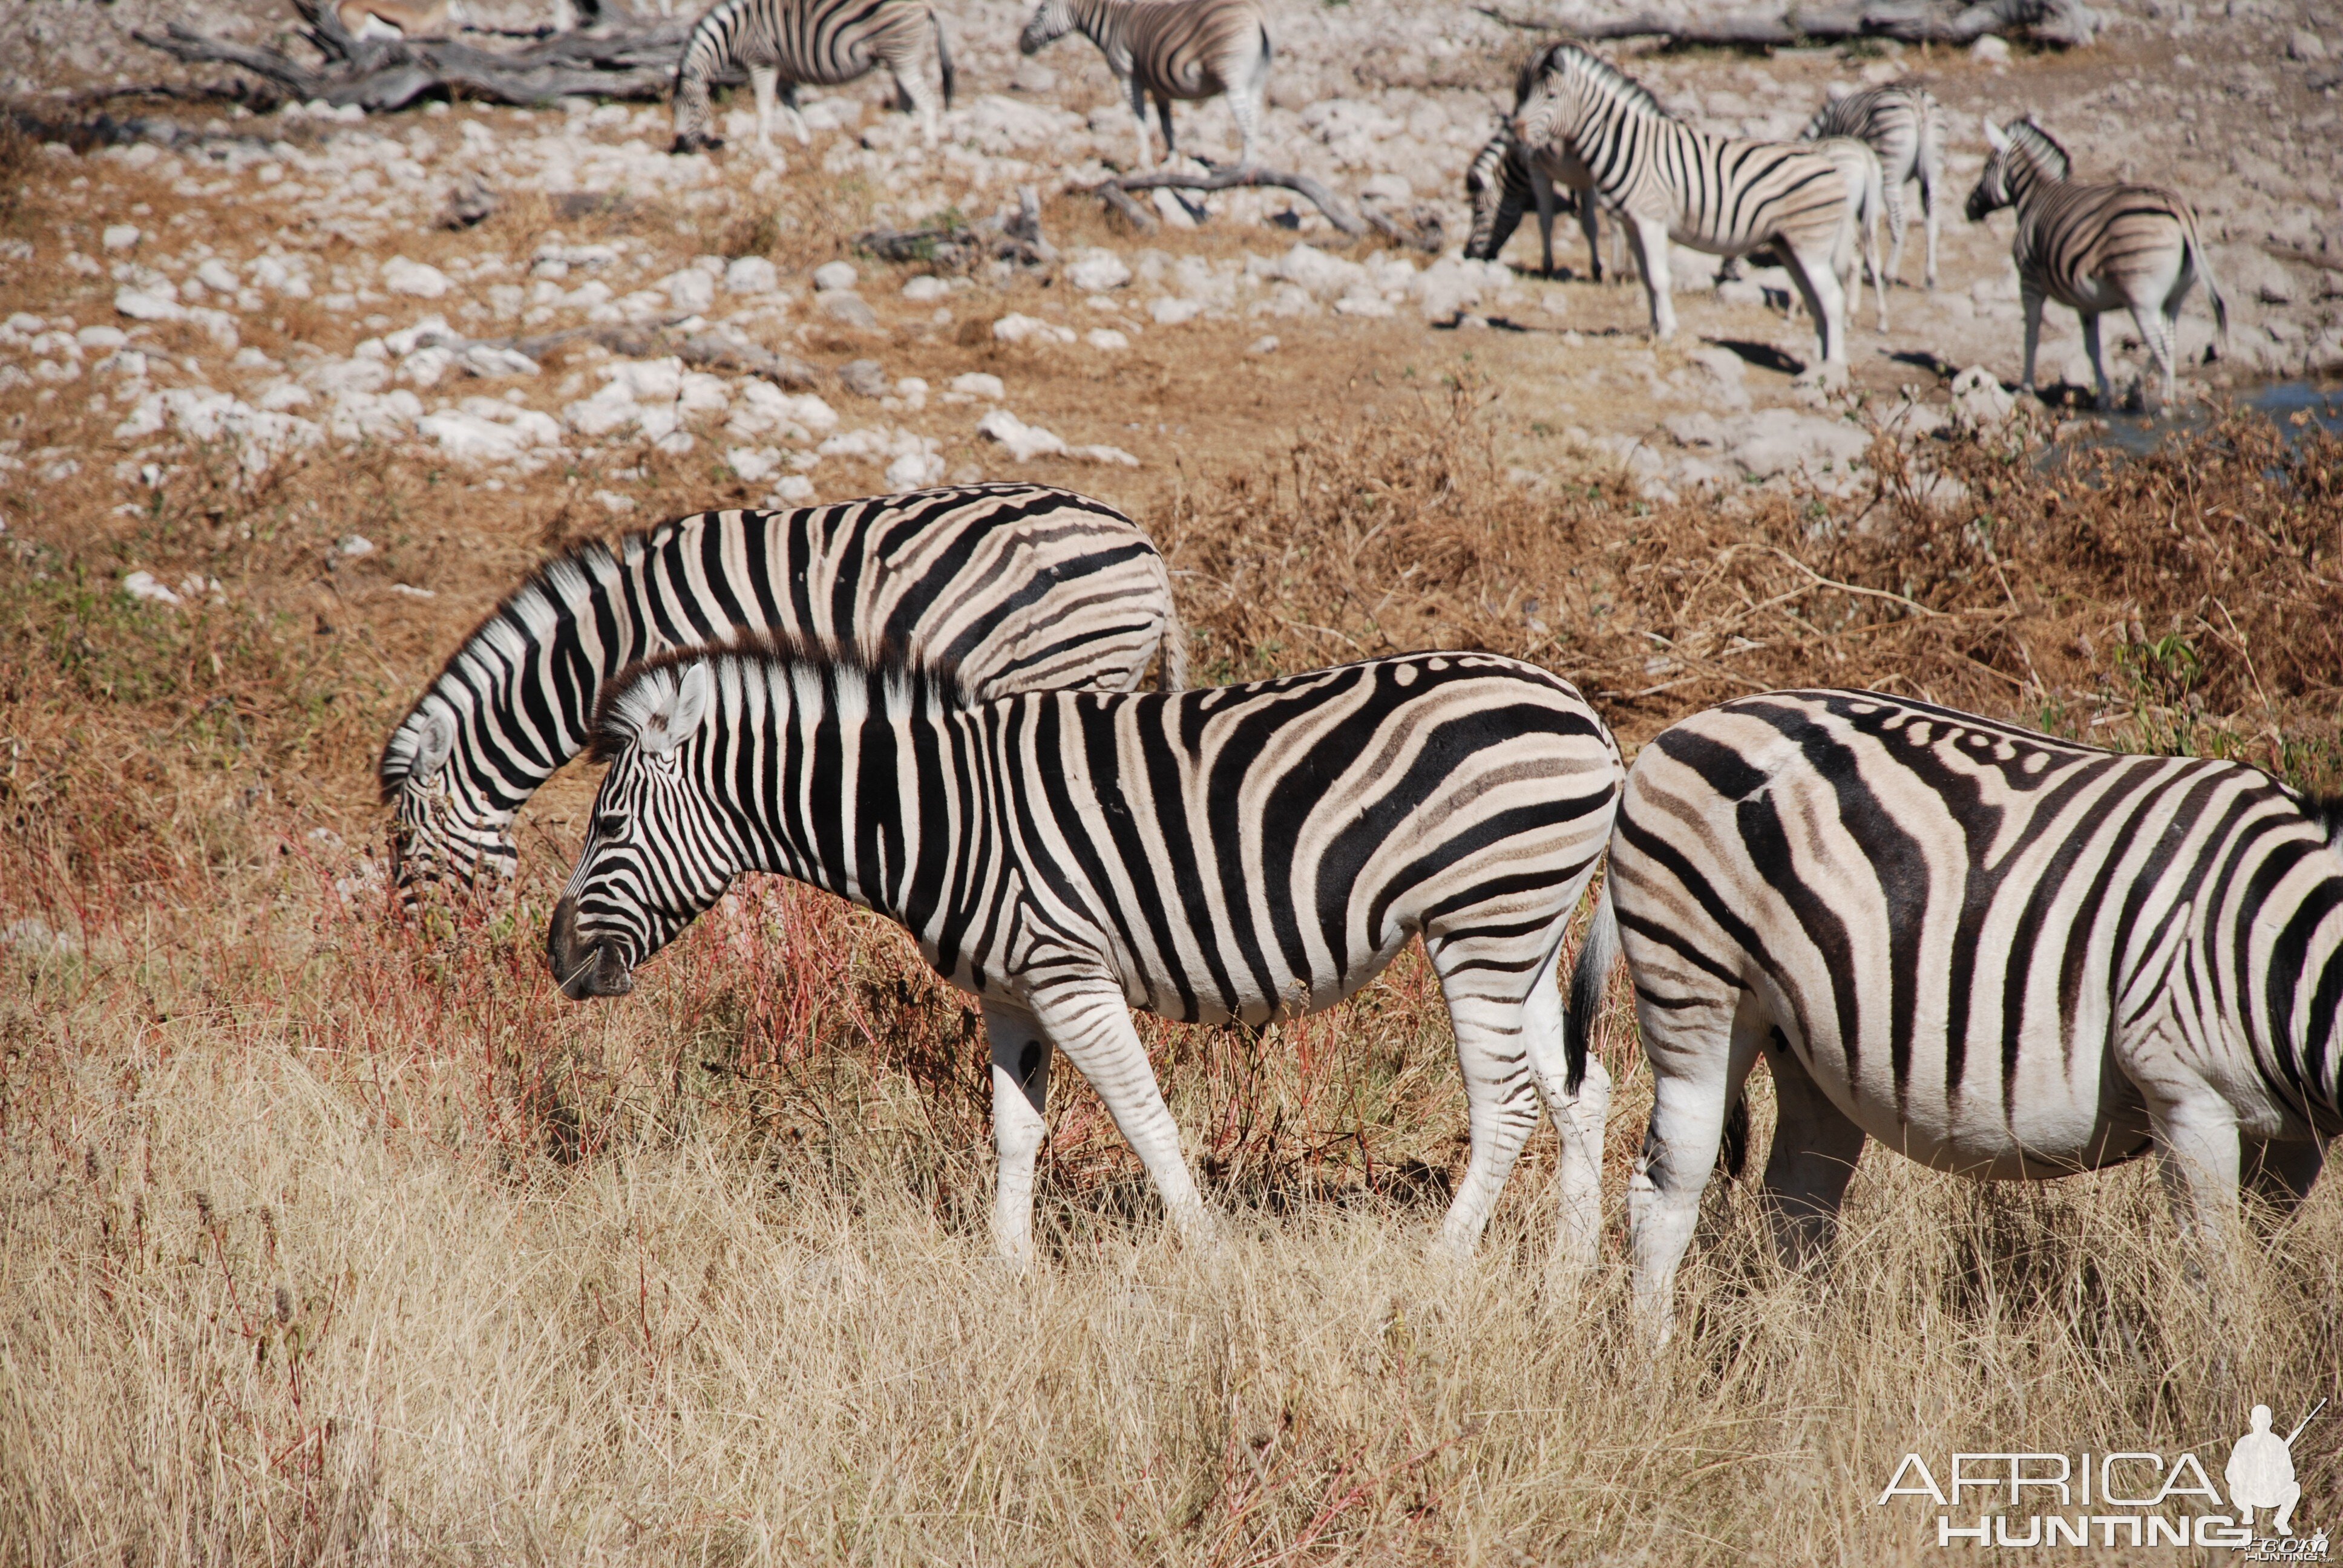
2140	434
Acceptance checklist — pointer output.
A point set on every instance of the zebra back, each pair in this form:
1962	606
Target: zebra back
1238	852
1011	586
1900	122
819	41
1963	916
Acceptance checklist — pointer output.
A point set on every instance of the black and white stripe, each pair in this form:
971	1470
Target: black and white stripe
821	43
1186	49
1500	185
2002	954
1668	181
2094	248
1244	853
1017	586
1903	125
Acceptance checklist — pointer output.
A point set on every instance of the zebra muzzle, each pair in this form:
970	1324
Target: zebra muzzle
583	970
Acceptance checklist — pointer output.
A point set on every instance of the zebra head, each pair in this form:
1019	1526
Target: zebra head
655	856
440	830
1488	183
1052	21
694	118
2022	152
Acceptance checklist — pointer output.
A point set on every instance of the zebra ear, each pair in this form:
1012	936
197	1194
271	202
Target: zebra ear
668	724
434	746
1993	138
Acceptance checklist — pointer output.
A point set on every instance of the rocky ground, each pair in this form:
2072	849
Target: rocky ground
285	282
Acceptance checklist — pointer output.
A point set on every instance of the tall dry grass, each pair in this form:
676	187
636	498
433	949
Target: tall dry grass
330	1237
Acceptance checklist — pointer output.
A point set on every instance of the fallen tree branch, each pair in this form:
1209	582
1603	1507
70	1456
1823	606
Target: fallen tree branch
1341	216
1424	235
627	59
2065	23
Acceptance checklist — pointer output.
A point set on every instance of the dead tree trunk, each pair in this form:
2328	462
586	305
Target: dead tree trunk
2063	23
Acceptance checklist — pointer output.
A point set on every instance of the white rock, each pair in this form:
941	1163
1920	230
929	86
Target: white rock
753	463
915	470
424	366
1264	344
1325	276
1170	312
751	274
1095	271
612	408
692	291
146	586
96	337
791	489
348	376
833	275
1978	401
847	308
1016	328
925	290
1107	340
212	274
1372	304
1990	50
978	384
1025	442
140	305
120	236
2302	43
353	545
486	360
414	278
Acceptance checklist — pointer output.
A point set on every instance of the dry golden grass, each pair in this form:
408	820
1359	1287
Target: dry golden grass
327	1237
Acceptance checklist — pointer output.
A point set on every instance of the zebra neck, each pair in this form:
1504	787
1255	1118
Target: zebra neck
1103	22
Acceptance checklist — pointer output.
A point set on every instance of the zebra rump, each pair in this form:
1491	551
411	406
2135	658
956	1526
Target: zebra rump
823	43
1244	853
1014	587
1903	125
1171	49
2000	953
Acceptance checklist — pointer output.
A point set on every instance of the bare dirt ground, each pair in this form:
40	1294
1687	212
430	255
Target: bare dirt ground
328	1235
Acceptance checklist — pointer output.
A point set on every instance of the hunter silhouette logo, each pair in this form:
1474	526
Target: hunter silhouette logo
2126	1498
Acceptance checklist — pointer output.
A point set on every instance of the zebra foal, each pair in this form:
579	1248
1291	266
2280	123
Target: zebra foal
1668	181
1187	49
1018	586
1998	953
2094	248
1500	184
1244	853
786	43
1903	125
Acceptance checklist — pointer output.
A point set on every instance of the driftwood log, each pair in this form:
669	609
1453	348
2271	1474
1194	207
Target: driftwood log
622	56
1116	193
2066	24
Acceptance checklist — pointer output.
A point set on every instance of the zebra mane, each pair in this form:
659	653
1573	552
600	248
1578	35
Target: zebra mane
1556	56
619	714
2041	150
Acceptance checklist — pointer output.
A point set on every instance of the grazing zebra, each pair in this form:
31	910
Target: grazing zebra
1669	182
1243	852
1499	184
2094	248
1903	125
793	42
1017	586
1187	49
2003	954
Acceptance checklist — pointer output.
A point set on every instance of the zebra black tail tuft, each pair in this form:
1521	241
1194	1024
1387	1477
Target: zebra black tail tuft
1733	1154
1587	979
944	59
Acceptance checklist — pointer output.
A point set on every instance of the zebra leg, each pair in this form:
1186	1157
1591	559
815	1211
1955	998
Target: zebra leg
1138	117
1649	241
1928	215
1815	1147
763	79
1818	284
1580	1120
2030	300
1090	1022
2161	333
1701	1048
1891	196
1501	1092
1021	1093
1589	224
798	126
2197	1134
1163	113
2282	1174
2102	393
1244	106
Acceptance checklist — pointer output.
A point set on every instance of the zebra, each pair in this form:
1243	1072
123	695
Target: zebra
790	42
1017	586
1187	49
1245	852
1668	182
1902	124
1858	166
1500	183
1999	953
2094	248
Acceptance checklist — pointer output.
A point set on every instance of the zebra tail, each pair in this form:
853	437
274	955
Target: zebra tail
1596	960
1171	654
943	58
2212	289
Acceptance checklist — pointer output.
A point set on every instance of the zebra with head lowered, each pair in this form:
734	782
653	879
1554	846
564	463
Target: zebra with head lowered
2003	954
1245	852
1186	49
1499	184
791	42
1669	182
1903	125
2094	248
1017	586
